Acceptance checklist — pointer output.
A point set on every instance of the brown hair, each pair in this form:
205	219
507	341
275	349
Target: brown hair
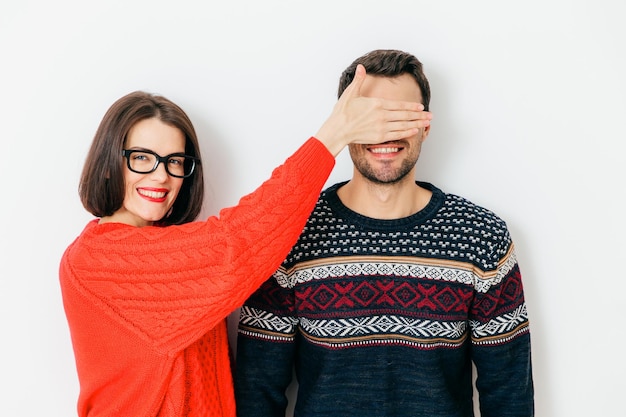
101	186
388	63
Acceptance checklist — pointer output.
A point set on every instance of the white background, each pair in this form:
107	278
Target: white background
528	97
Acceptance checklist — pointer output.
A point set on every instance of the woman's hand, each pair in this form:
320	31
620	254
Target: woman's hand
368	120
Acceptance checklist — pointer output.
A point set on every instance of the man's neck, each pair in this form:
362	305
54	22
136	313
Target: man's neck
384	201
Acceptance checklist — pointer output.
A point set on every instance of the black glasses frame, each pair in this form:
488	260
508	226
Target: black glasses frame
128	152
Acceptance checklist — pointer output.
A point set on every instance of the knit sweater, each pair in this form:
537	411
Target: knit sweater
146	306
385	317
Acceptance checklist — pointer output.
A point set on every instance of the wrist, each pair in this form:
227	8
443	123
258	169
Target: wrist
331	140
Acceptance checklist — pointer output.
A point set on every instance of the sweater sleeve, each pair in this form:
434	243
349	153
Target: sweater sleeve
501	341
170	285
265	351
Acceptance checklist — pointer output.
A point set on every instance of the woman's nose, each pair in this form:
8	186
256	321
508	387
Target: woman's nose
160	172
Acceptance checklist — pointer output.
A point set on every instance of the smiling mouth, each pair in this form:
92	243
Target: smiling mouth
157	195
386	149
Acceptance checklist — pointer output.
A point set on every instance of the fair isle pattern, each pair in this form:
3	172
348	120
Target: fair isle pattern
434	269
428	281
498	328
358	330
450	228
387	329
264	335
267	322
385	341
388	317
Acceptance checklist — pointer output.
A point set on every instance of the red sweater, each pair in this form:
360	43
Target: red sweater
147	306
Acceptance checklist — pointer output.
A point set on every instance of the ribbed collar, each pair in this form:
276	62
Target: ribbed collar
427	213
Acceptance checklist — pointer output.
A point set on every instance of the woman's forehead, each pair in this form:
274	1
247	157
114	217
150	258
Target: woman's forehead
157	136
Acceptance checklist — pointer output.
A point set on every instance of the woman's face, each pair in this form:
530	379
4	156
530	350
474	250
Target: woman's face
149	197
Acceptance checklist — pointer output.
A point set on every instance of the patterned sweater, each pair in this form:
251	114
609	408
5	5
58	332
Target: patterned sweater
147	306
386	317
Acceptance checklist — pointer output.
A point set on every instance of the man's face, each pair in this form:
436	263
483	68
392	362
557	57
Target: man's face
389	162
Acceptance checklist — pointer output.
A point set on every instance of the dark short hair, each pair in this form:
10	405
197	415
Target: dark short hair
102	188
388	63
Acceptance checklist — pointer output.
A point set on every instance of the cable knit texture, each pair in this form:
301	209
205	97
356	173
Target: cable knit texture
147	306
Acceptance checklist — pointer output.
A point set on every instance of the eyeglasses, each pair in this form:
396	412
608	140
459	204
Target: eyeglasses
177	165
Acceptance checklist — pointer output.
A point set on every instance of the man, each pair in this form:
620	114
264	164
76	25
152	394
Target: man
392	291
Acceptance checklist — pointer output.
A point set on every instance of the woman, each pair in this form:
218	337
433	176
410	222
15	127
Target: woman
146	289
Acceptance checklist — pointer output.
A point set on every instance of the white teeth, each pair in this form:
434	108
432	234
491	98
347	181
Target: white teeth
152	194
385	150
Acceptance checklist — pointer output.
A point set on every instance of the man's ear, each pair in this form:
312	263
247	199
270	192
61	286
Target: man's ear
425	132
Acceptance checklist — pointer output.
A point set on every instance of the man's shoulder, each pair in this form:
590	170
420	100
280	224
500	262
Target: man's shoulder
466	207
